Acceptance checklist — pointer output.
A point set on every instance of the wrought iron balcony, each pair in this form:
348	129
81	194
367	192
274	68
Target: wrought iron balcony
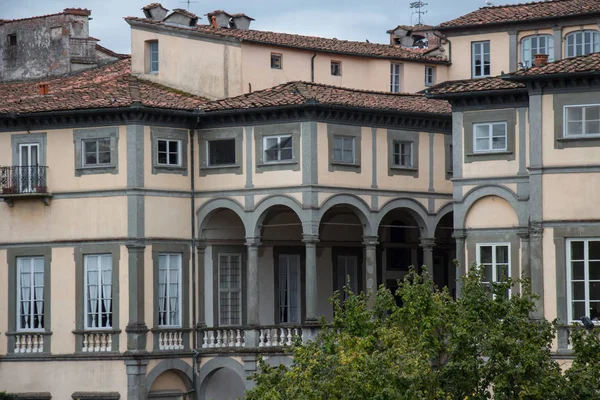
24	182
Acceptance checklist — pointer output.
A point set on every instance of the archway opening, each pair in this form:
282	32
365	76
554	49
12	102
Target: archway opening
444	253
222	224
171	384
224	384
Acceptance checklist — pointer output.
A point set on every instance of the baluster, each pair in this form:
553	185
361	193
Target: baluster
28	348
238	339
218	344
212	339
41	344
261	338
231	338
268	344
205	339
109	346
275	341
34	343
17	344
179	337
85	343
171	341
295	333
102	342
96	341
289	336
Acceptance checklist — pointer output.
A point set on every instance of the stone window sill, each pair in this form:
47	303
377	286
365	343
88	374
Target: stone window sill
226	166
344	164
101	169
489	153
408	169
269	164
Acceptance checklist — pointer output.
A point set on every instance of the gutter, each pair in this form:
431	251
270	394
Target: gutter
312	67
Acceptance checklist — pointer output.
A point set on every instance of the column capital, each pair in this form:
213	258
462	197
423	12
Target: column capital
252	242
524	233
427	243
370	240
201	246
459	234
132	246
310	239
536	230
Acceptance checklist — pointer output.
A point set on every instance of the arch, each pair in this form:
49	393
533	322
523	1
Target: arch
182	369
490	190
214	365
358	205
262	208
442	212
415	208
205	211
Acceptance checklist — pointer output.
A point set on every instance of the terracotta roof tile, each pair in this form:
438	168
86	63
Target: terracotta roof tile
310	42
524	12
238	15
472	85
66	11
153	5
574	65
298	93
109	86
111	53
210	14
184	12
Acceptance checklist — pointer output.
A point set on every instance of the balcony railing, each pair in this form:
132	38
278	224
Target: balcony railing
280	336
22	182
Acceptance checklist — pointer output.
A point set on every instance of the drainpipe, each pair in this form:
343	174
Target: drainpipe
194	283
312	67
449	45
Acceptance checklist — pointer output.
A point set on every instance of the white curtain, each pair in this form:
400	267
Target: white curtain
107	289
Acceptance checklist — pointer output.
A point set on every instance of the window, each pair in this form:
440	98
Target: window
169	152
336	68
276	59
540	44
429	76
277	148
169	290
343	149
495	262
153	57
347	274
481	59
30	284
583	278
12	39
96	152
98	291
395	78
403	154
289	288
583	42
582	120
230	289
489	137
221	152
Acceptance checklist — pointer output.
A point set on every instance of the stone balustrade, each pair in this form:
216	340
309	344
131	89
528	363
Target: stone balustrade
29	343
94	342
254	337
170	340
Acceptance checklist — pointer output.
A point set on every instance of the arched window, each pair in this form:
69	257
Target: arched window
538	44
581	43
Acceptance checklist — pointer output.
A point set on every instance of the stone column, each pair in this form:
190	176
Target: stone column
310	241
252	281
370	243
136	328
525	256
427	244
537	270
200	253
136	379
459	236
558	42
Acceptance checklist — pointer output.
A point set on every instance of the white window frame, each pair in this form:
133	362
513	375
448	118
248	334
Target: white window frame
31	284
526	46
239	290
287	293
153	57
429	75
344	139
395	78
100	297
98	163
478	48
279	139
177	259
583	121
339	67
208	146
280	56
579	42
394	153
586	278
168	141
490	148
494	261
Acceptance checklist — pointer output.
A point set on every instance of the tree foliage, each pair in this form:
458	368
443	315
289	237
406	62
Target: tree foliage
482	346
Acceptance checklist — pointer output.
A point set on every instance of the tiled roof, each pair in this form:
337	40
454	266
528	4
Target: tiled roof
574	65
472	85
184	12
110	86
415	28
310	42
111	53
524	12
239	15
71	11
298	93
153	5
210	14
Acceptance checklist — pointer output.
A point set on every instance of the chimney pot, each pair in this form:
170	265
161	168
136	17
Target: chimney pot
540	59
43	89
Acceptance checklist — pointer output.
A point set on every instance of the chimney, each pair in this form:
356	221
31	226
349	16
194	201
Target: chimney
155	11
43	89
540	59
221	18
241	21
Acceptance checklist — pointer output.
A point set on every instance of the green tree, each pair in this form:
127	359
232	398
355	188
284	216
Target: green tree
583	376
7	396
482	346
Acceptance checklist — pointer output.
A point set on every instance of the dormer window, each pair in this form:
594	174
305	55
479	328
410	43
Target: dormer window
152	52
539	44
582	43
12	40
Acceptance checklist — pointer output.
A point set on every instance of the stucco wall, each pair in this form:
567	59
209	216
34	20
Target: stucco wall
461	54
571	196
168	217
3	300
491	212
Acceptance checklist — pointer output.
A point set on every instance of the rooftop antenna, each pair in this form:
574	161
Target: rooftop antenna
418	5
188	2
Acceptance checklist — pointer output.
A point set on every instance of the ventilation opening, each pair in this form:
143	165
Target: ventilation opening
12	39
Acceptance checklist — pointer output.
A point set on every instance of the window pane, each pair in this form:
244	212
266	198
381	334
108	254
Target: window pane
162	145
285	142
498	130
592	127
347	157
577	251
482	131
574	113
502	254
578	290
286	154
594	271
104	157
574	128
594	310
221	152
348	144
271	155
482	144
337	155
173	146
577	270
595	291
485	254
593	250
90	159
488	273
578	309
162	158
337	143
499	143
173	158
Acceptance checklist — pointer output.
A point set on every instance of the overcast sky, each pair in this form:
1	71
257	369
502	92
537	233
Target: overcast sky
342	19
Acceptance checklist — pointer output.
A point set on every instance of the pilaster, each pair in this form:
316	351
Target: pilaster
310	242
252	245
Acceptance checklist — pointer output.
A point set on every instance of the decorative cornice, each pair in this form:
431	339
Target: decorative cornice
514	98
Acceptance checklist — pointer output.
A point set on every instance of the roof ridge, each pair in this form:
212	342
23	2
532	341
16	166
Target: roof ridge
358	90
524	4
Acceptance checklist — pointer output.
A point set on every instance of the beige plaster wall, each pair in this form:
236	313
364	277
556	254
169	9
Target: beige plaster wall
440	183
164	181
491	212
64	219
216	71
570	196
63	378
275	178
168	217
63	311
168	380
461	54
3	300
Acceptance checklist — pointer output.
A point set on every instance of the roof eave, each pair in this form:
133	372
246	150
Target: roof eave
446	96
523	78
